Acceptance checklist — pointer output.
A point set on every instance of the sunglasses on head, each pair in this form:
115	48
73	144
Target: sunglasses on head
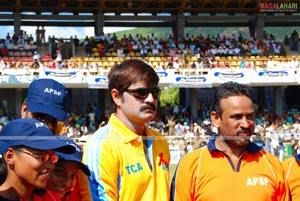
142	93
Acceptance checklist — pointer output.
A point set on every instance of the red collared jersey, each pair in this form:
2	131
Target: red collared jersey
120	171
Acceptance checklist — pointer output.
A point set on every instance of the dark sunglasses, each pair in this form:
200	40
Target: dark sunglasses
44	157
142	93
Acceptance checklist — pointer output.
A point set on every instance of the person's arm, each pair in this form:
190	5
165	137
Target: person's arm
81	190
84	187
109	169
289	172
182	183
102	161
283	190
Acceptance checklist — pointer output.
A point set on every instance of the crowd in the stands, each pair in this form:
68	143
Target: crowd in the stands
174	52
200	45
17	44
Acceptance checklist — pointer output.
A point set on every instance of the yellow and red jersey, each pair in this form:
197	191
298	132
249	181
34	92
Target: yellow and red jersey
120	171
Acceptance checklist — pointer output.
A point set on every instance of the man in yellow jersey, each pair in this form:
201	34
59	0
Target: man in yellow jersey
129	161
230	167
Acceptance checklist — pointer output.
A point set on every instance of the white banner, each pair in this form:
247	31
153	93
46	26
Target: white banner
274	77
226	75
75	76
191	81
188	78
97	81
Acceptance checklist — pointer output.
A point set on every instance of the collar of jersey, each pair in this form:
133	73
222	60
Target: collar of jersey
124	133
251	147
298	158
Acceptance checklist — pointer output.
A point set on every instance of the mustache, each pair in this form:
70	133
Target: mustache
149	106
234	137
248	130
237	137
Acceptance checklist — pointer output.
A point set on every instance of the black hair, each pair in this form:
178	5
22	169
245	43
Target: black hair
129	72
228	89
3	170
3	165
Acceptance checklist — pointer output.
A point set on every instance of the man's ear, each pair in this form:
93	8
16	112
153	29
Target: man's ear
116	97
215	118
24	110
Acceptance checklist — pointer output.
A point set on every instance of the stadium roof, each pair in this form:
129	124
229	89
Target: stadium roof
173	7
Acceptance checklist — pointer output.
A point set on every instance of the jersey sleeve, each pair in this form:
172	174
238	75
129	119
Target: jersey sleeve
182	182
103	163
84	187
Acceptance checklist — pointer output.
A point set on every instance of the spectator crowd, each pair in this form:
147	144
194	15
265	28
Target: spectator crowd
220	51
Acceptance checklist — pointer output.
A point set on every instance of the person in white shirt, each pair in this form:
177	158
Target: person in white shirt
145	42
198	63
176	65
213	51
83	129
155	52
143	52
135	47
294	63
159	66
120	52
92	117
36	60
237	50
178	128
271	63
136	38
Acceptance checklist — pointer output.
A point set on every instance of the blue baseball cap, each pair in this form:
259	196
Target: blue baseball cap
48	96
76	156
34	134
3	147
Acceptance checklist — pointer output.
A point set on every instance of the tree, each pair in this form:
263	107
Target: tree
169	95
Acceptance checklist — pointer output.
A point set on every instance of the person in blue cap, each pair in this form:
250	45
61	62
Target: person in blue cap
63	178
27	156
47	101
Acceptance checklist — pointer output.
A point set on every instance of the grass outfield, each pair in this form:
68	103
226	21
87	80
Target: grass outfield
172	169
